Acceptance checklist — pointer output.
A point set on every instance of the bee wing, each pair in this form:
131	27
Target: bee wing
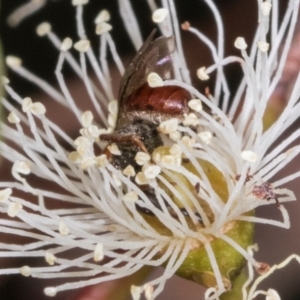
153	56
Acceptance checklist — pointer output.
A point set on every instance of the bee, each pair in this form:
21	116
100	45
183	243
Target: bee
142	108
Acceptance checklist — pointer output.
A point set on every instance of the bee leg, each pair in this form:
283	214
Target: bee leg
121	138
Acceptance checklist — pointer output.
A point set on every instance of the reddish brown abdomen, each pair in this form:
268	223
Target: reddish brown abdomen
169	100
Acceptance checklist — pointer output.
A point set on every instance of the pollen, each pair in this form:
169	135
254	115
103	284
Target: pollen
154	80
272	295
129	171
103	27
141	179
159	15
14	209
136	292
25	271
168	126
103	16
131	197
4	80
79	2
82	45
13	118
50	258
43	29
148	291
66	44
249	156
13	61
26	104
87	118
75	157
151	171
22	167
87	162
101	161
266	7
202	75
190	120
195	104
114	149
50	291
5	194
98	252
263	46
38	108
113	107
205	136
63	228
240	43
141	158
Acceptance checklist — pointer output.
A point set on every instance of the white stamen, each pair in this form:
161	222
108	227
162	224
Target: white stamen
249	156
66	44
98	252
5	194
113	149
240	43
159	15
82	45
103	16
13	118
202	75
25	271
131	197
63	228
14	209
195	104
103	27
141	158
50	258
154	80
43	29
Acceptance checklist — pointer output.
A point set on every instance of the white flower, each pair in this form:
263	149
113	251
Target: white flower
216	166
